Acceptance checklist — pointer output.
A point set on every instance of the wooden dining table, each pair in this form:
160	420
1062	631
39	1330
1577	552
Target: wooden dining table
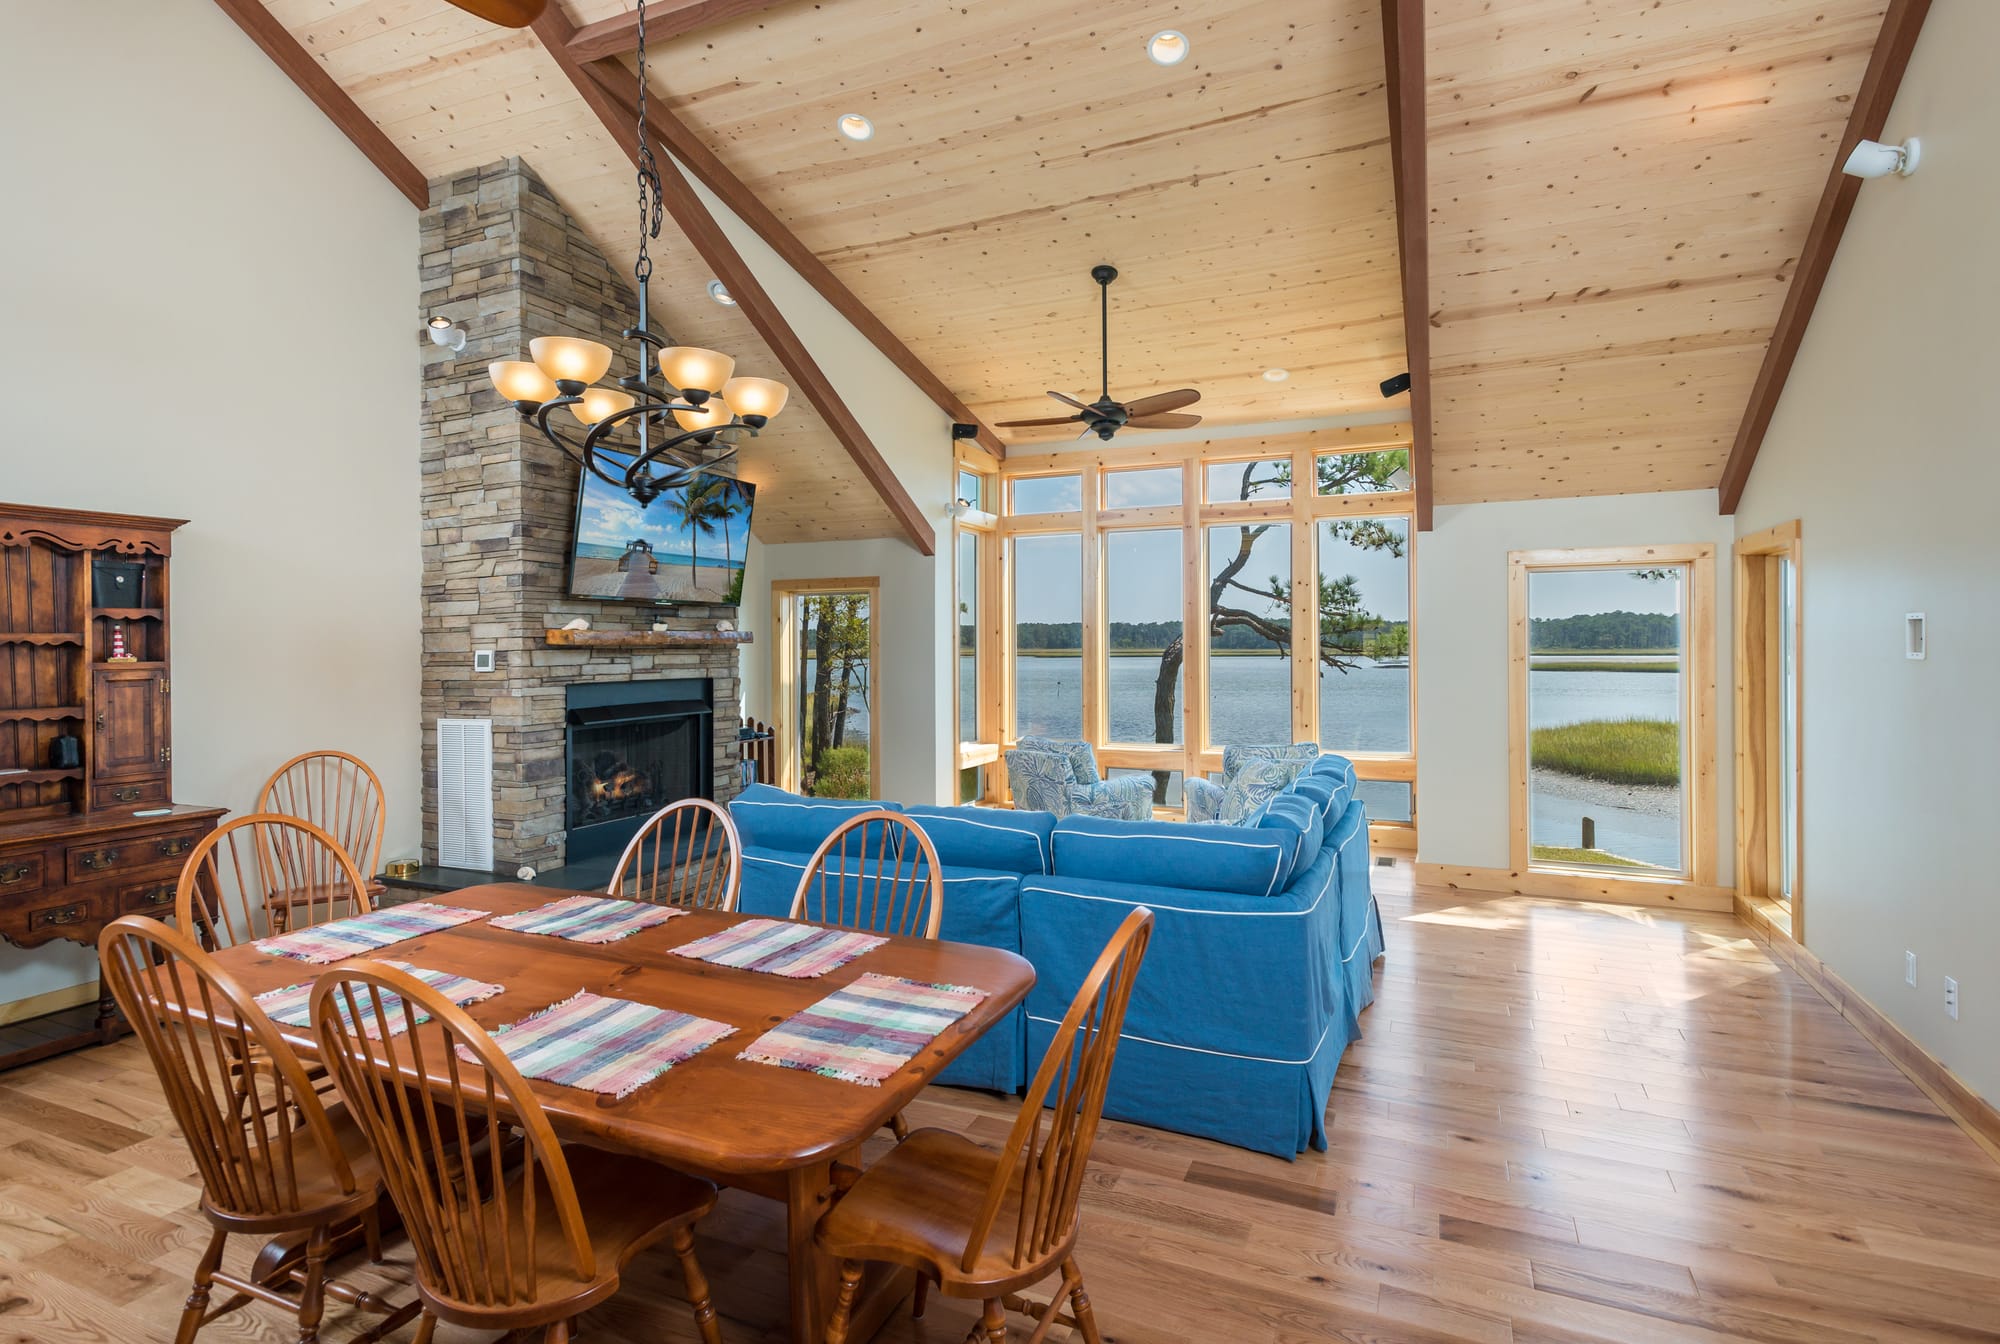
785	1134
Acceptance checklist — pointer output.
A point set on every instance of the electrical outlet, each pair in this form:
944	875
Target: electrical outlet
1951	998
1910	968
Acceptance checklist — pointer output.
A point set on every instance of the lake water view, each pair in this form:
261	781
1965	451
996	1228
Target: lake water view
1368	709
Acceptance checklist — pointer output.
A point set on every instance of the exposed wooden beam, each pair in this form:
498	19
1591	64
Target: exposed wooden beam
1900	26
313	80
1403	60
665	20
693	219
715	175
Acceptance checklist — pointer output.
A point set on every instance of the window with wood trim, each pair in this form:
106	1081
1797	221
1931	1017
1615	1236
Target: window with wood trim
1612	682
1164	602
976	617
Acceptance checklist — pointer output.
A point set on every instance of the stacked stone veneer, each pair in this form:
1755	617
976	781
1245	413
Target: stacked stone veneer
503	261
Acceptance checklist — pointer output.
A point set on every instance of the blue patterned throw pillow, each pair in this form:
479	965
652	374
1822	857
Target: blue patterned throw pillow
1204	800
1082	760
1127	798
1040	780
1256	783
1234	758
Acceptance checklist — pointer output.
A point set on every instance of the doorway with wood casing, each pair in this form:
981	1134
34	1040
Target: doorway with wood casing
1769	832
823	664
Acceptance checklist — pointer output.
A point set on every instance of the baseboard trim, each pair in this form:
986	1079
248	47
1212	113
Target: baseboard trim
1972	1112
49	1001
1578	887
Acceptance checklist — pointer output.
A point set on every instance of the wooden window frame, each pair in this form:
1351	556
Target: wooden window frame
1303	511
984	525
1759	750
784	693
1698	707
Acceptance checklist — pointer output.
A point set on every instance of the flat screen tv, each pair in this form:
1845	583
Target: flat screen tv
686	547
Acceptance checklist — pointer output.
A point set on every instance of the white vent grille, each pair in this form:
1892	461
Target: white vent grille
465	793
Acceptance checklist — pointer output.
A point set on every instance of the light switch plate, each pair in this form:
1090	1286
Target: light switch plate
1913	636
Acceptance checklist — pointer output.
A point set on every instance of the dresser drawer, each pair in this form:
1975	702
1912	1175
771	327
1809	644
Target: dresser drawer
24	871
58	914
136	793
155	898
130	854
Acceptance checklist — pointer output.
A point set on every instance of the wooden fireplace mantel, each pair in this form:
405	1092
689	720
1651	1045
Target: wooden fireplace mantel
643	639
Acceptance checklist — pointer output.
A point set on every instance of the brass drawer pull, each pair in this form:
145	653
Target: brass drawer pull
180	844
15	872
159	896
99	858
129	794
68	914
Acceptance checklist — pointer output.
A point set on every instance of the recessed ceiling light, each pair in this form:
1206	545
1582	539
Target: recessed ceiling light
1276	375
856	127
1167	47
720	294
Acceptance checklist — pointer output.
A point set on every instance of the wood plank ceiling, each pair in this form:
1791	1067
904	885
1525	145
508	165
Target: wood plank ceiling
1619	193
1245	195
1617	197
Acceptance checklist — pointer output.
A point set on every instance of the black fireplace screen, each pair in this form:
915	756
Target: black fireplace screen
632	768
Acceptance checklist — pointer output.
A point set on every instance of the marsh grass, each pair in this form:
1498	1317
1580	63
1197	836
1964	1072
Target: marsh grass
1587	857
1616	751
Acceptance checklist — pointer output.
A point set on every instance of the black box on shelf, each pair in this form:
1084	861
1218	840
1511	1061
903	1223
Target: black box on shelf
117	583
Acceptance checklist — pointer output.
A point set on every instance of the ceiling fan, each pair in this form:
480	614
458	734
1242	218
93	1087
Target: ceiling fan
1105	417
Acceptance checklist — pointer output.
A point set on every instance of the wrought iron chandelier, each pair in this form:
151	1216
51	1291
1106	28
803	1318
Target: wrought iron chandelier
644	436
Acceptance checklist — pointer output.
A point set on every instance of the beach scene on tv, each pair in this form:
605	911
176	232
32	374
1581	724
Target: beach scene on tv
686	546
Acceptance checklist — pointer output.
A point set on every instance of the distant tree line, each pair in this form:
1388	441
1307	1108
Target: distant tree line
1606	630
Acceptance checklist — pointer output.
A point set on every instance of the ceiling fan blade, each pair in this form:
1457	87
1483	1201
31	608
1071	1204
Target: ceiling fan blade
1160	401
1163	422
1088	430
1069	401
1023	424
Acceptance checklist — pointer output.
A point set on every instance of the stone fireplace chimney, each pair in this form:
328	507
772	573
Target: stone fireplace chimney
505	262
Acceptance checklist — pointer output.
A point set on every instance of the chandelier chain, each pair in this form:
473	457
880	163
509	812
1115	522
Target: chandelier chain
650	191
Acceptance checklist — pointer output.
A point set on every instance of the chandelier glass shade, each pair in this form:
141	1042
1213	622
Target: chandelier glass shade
648	434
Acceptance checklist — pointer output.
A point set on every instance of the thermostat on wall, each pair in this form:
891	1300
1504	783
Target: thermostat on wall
482	660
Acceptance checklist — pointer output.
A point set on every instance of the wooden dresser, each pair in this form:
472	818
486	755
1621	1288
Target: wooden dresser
88	827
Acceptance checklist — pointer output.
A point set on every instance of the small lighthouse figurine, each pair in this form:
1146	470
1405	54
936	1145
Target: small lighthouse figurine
118	653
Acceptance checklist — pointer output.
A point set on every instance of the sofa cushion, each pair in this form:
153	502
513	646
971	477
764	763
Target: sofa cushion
1234	757
1204	799
1297	817
1127	798
1256	782
1082	760
1040	780
994	838
770	818
1243	861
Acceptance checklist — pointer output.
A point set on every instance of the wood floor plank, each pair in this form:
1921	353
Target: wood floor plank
1563	1124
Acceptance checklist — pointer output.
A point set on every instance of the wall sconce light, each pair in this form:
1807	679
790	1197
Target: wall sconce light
1871	158
443	332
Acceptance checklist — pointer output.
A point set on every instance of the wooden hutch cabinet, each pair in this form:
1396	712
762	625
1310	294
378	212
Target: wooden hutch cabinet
89	830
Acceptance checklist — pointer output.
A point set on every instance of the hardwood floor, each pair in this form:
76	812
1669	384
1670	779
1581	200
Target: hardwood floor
1565	1124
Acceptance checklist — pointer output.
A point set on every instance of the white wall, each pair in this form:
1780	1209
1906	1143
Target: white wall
210	313
1462	653
1884	447
913	708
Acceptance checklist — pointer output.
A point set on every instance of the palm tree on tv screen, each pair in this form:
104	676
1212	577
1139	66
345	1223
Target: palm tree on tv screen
694	509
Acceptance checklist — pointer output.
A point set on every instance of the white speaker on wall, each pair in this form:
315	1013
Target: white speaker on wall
465	793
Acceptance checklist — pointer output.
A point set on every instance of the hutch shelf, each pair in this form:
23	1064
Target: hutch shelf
89	830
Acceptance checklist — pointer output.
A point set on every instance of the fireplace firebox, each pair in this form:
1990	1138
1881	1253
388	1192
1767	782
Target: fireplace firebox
631	748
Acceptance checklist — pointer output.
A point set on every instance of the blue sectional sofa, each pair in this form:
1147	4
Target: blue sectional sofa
1260	964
